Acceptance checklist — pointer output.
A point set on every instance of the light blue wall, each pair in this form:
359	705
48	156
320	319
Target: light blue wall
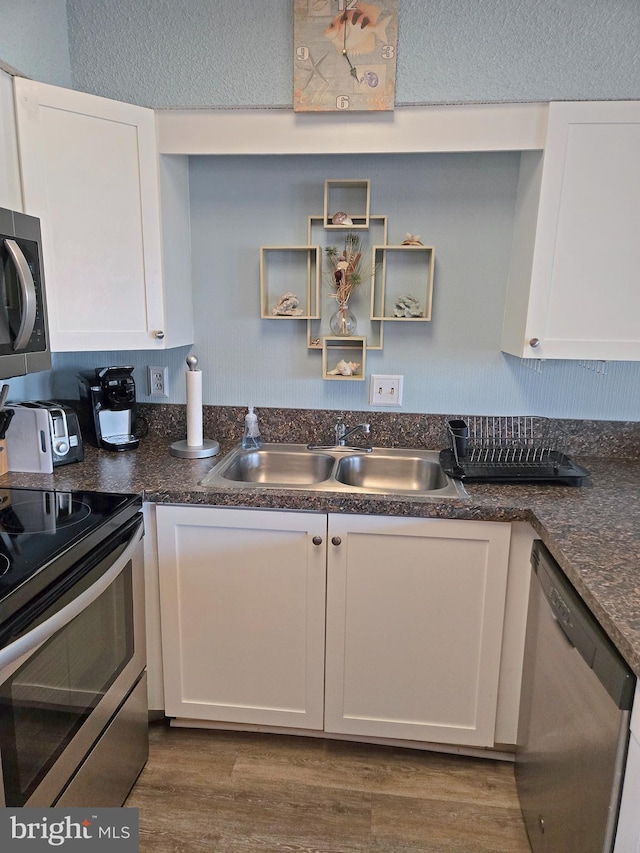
462	204
236	52
34	41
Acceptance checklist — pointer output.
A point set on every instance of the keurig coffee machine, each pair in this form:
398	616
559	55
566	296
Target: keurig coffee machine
109	397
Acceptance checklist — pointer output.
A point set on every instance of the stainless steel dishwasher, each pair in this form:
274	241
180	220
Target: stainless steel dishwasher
574	720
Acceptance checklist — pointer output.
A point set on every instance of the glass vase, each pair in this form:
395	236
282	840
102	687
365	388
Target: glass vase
343	323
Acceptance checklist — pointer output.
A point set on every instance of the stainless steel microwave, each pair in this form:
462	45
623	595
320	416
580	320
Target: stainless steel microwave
24	337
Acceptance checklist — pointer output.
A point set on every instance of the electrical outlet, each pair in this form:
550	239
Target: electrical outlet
158	378
385	390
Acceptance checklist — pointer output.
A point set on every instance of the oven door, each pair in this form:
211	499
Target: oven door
63	679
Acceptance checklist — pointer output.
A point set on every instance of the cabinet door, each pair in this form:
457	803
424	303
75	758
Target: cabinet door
574	272
628	830
242	595
10	190
90	172
415	610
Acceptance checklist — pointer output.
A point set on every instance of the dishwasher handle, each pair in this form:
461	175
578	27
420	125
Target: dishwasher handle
582	629
569	617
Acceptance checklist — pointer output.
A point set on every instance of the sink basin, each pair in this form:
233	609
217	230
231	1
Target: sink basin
290	467
391	473
388	471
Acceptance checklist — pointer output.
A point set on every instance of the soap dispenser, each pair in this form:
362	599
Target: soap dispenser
251	439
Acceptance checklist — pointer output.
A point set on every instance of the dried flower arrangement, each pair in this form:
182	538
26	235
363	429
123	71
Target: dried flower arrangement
346	274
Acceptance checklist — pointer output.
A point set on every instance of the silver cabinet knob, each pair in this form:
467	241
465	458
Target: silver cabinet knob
336	541
159	334
534	342
317	540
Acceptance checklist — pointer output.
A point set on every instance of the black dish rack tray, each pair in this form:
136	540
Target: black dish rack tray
509	450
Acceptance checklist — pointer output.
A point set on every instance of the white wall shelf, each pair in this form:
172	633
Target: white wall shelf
285	270
372	330
351	350
398	272
396	275
347	196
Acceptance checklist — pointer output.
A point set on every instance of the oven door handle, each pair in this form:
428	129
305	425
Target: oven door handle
47	629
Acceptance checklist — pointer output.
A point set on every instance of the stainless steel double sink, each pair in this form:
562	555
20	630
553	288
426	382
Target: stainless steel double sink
390	471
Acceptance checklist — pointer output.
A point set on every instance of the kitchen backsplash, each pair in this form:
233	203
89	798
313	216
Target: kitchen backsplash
225	424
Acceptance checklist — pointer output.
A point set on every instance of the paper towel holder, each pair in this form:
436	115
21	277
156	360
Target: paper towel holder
190	447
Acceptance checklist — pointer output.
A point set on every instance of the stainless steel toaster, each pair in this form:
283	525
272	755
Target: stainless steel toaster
42	435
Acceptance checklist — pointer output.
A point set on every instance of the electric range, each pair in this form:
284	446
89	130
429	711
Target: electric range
73	695
43	533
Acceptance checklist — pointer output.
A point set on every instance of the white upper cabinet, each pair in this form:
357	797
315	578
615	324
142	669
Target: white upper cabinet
91	172
573	284
10	190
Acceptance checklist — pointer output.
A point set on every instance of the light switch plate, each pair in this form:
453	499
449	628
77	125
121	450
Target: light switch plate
385	390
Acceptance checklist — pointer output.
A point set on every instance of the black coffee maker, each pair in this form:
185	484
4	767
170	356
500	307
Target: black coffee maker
108	396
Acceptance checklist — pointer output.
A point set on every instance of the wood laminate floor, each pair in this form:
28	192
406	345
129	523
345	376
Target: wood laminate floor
226	792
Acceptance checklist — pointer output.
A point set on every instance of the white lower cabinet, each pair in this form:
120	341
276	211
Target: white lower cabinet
242	598
412	645
415	609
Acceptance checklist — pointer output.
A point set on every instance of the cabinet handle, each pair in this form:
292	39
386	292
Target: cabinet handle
317	540
159	334
336	540
534	342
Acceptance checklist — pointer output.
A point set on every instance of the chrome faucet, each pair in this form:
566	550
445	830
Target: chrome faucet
341	433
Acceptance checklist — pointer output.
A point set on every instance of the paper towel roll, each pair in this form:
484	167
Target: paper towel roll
194	408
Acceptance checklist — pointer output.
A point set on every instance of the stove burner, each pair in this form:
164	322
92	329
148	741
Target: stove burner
53	512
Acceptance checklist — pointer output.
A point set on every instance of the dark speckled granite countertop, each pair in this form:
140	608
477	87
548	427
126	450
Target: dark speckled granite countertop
593	531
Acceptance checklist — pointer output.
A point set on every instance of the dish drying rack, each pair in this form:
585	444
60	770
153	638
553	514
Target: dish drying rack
509	449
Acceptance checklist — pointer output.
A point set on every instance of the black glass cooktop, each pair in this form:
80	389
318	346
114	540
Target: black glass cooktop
45	532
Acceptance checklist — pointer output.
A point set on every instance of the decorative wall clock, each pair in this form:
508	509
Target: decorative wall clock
344	55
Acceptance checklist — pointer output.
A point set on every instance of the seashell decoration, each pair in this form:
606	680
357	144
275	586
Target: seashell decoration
344	368
287	306
407	306
412	240
341	218
370	78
